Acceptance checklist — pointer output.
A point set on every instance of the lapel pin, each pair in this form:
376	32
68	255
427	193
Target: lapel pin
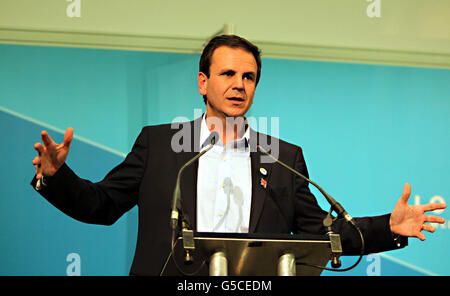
263	171
263	183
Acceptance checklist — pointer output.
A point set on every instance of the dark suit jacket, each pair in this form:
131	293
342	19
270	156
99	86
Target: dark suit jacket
147	176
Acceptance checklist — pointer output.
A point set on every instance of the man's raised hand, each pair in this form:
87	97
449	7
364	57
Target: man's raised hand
411	220
51	156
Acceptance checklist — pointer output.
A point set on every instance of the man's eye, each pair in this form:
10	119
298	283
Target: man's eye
249	77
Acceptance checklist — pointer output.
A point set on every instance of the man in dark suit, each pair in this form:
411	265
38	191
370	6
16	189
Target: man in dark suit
230	189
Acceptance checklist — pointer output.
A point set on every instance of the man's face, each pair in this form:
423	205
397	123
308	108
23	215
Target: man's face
231	84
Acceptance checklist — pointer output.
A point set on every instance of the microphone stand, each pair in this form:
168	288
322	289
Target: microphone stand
327	222
176	200
176	213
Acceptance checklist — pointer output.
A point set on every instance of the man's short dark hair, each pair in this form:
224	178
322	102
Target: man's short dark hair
232	41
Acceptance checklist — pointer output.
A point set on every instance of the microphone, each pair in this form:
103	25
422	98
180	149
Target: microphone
176	199
338	208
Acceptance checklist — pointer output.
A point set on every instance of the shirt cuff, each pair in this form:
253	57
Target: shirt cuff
399	240
41	183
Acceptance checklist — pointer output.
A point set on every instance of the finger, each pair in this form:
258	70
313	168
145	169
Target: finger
406	193
433	206
36	160
39	148
434	219
428	227
38	172
421	236
46	139
68	136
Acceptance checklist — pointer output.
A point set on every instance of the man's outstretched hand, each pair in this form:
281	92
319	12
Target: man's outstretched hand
51	156
409	220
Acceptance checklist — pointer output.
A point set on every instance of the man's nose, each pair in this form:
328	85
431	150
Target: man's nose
238	83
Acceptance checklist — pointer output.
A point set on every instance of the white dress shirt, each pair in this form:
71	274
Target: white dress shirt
224	185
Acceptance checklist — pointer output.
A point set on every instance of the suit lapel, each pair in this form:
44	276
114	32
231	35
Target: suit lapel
260	173
188	183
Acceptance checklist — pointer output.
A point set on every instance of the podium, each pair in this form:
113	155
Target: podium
236	254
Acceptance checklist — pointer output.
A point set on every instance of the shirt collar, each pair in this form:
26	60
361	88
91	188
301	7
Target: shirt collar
241	143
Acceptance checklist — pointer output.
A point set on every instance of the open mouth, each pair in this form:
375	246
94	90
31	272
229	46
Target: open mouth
236	99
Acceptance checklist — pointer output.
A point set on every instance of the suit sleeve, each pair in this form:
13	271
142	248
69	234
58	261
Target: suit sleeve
103	202
309	218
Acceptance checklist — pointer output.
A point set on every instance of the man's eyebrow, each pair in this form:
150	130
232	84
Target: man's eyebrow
227	71
231	71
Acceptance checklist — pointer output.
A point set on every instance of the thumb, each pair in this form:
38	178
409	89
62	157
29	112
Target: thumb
68	136
406	193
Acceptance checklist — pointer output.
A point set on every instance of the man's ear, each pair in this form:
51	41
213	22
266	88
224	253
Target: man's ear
202	80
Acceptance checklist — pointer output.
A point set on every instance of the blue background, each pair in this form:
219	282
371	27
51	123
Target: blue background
365	130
